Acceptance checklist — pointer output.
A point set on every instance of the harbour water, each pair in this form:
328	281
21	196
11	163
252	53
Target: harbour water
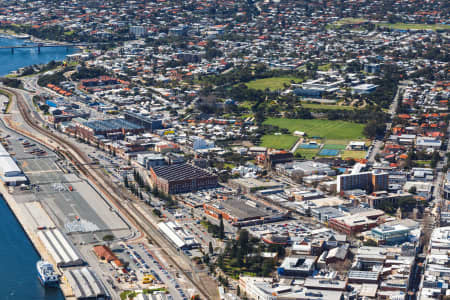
18	275
27	56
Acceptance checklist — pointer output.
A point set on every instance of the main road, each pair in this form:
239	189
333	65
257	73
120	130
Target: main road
103	184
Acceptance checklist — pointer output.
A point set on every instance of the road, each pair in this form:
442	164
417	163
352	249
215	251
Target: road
392	111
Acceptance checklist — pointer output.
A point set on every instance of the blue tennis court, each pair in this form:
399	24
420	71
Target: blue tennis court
309	146
329	152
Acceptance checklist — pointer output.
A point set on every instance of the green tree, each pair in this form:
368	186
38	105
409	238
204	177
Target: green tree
211	250
221	228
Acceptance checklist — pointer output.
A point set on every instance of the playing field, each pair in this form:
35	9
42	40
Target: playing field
272	83
307	153
406	26
317	106
283	141
347	21
330	130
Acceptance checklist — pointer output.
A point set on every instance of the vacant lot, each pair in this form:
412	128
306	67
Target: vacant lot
273	83
330	130
353	154
283	141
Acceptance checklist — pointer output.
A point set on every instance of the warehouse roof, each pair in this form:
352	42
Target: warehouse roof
9	167
244	209
180	172
3	151
111	124
85	284
59	247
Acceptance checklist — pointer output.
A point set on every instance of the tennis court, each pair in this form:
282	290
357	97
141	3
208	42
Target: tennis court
309	146
329	152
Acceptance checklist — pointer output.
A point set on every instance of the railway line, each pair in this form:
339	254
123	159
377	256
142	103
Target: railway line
68	150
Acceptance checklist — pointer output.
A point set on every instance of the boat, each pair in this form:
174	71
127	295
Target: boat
46	273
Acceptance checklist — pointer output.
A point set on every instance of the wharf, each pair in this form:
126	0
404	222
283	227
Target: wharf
32	235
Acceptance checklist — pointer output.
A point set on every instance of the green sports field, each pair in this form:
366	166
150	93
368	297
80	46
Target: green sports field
326	129
284	141
272	83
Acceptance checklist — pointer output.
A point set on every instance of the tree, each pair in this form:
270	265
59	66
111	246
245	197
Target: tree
108	238
211	250
413	190
370	243
125	181
238	290
221	228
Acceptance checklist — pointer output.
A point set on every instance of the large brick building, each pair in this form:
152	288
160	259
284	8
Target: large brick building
181	178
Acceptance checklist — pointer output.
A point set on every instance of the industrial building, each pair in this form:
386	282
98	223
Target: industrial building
181	178
178	236
149	124
110	128
149	160
10	172
154	296
369	181
243	212
85	284
251	185
60	248
305	168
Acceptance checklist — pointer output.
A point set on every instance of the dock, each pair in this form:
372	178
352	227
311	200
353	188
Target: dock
21	215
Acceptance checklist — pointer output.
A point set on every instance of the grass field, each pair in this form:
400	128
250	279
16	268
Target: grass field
330	130
334	146
406	26
307	153
325	67
347	21
317	106
353	154
283	141
401	26
273	83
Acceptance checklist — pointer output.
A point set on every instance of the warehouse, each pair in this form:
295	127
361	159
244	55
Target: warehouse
85	284
176	234
155	296
243	212
3	151
181	178
10	173
59	247
113	128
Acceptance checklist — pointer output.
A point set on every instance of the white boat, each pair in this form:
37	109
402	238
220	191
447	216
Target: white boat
46	273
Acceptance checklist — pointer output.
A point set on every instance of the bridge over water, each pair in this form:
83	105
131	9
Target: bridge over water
44	45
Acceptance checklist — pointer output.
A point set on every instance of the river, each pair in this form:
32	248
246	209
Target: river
28	56
18	275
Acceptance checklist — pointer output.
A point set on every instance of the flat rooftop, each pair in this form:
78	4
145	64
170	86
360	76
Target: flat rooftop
245	209
180	172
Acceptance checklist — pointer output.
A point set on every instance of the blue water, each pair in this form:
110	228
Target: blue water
28	56
18	277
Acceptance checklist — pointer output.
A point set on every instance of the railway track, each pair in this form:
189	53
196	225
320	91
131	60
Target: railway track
65	149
